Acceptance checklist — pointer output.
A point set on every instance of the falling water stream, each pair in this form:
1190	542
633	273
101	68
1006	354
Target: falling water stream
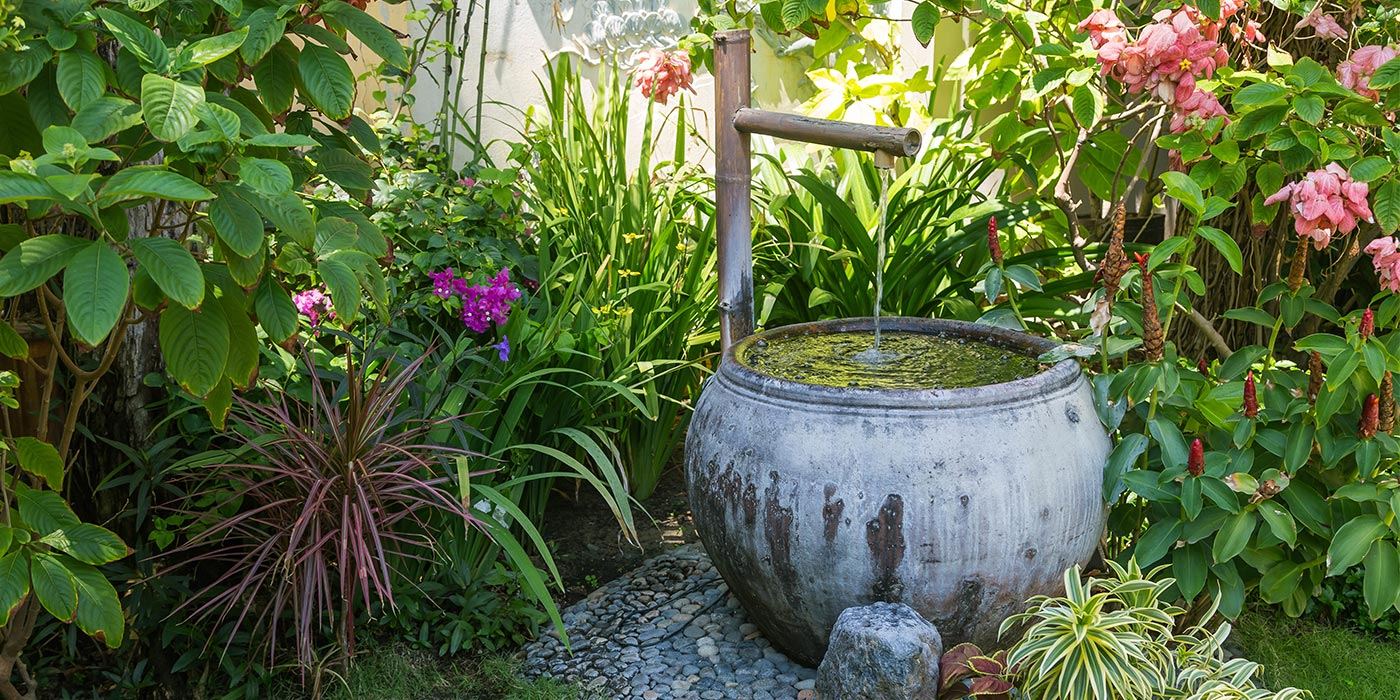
874	355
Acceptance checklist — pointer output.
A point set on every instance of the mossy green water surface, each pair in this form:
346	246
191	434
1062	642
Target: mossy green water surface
907	361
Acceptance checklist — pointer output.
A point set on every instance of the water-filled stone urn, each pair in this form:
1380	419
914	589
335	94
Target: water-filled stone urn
961	503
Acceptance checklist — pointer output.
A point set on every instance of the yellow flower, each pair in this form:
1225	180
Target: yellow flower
629	237
628	273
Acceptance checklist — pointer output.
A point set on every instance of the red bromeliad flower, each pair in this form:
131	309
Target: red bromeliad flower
1367	327
992	244
1251	397
1196	463
1370	417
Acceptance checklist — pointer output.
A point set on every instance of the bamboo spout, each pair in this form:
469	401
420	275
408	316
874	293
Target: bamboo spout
735	120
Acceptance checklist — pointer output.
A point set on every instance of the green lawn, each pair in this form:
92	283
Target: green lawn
1335	663
394	672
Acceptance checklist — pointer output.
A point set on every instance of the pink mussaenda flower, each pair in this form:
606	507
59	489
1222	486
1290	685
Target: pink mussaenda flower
661	74
1104	27
1194	109
467	182
1325	202
1322	24
1249	32
1355	72
312	303
1385	257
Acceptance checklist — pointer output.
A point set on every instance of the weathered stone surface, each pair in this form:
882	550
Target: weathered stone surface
884	651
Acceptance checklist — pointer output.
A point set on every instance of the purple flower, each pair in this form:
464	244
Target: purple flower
504	347
467	182
443	282
312	303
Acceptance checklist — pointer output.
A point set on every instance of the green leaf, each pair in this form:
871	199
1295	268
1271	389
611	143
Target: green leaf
1185	190
19	68
343	286
1233	536
924	21
265	175
34	261
218	403
21	187
1168	436
54	586
44	511
172	268
12	345
1260	121
208	50
378	38
1310	108
289	214
1225	245
265	29
105	116
1157	541
195	345
87	543
333	235
238	223
95	289
1280	522
1298	447
1121	462
82	78
1190	564
344	169
1259	94
1087	104
169	106
221	119
1370	168
99	609
281	140
276	313
14	583
1387	75
1386	206
327	81
138	39
40	459
1352	541
1382	583
152	181
244	349
276	78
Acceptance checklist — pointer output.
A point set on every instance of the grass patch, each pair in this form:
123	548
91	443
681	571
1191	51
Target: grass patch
1332	662
395	672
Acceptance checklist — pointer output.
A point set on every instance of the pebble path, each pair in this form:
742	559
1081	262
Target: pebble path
670	630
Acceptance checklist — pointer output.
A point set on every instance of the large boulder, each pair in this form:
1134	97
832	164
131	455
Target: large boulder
884	651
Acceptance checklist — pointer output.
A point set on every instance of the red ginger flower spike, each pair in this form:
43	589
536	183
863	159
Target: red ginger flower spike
1202	367
992	244
1367	327
1196	463
1251	398
1152	338
1387	413
1370	417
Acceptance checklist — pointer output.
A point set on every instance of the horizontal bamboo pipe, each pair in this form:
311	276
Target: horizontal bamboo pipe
895	141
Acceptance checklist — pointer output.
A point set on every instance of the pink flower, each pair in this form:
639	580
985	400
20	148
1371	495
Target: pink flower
1325	202
1104	27
1249	32
1323	25
484	304
1386	259
1194	109
467	182
661	74
312	303
1355	72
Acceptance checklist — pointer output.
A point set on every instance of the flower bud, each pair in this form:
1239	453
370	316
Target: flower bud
1202	367
1152	339
1196	462
1387	417
992	244
1367	327
1314	376
1370	417
1251	397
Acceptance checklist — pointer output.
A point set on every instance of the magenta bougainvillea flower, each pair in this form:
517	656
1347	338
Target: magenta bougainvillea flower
442	282
1355	72
1386	259
1322	25
313	303
482	304
1325	203
661	74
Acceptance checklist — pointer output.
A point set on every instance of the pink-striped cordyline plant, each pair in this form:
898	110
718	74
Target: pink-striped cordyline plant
314	506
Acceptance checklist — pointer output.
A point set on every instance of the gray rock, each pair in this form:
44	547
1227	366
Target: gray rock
884	651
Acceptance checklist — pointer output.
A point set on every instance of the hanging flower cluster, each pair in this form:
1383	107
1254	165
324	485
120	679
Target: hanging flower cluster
1169	56
313	303
482	304
1326	202
661	74
1355	72
1322	25
1385	256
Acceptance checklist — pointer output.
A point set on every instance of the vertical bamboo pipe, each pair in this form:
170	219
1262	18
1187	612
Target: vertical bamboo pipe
733	183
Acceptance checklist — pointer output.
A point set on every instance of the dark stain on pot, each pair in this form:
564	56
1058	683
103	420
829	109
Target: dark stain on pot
777	529
885	536
750	501
966	604
963	500
831	513
1030	553
1072	414
1045	513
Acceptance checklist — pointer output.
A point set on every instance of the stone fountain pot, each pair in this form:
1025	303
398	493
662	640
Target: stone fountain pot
960	503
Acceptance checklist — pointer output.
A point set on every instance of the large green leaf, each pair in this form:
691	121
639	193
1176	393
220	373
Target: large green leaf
237	222
54	586
12	344
221	120
1234	535
169	106
40	459
82	78
368	30
44	511
289	214
19	68
1386	203
88	543
95	288
21	187
276	313
344	169
1352	541
210	49
172	267
14	583
105	116
924	21
265	175
99	609
244	350
195	345
343	286
276	78
264	30
1382	582
137	38
327	81
152	181
34	261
